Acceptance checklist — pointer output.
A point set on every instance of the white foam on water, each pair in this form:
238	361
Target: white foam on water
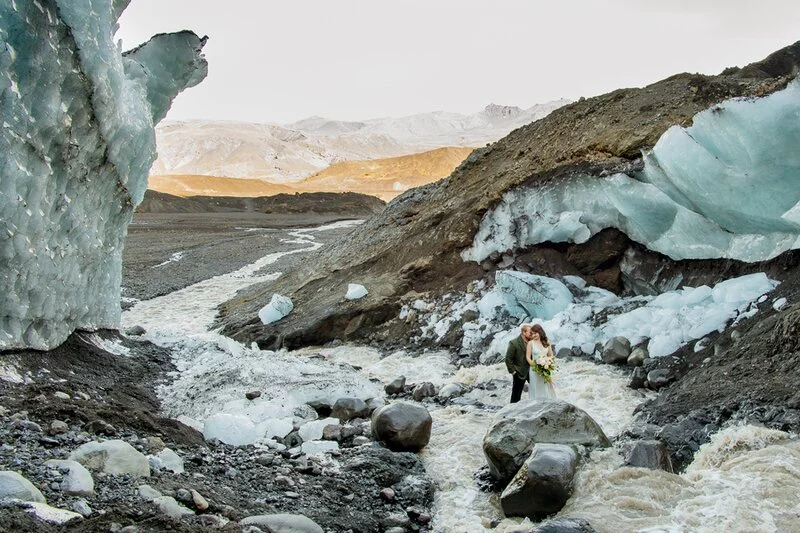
745	479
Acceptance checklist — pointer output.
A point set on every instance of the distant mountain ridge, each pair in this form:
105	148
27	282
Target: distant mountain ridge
289	153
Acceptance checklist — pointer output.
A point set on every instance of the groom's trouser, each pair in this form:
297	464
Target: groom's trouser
516	388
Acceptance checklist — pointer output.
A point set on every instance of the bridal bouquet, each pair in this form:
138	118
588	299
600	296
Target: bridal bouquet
545	366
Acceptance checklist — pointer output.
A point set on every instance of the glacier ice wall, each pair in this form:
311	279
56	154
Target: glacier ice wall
726	187
77	144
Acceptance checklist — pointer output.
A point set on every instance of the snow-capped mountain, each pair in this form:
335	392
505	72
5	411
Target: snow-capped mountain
290	153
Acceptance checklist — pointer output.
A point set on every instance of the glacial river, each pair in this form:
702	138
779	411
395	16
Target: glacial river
746	479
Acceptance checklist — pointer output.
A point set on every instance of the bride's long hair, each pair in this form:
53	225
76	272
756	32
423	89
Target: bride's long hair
542	335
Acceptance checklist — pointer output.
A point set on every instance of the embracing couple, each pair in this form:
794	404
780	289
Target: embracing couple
530	357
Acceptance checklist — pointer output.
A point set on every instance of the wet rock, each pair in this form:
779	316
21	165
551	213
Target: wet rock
637	357
518	426
638	378
211	521
650	454
332	432
616	351
543	484
112	457
25	424
660	377
563	353
360	440
351	431
283	523
155	444
253	394
566	525
82	507
396	522
375	403
424	390
265	459
402	426
135	331
171	508
346	409
78	481
293	439
13	485
396	386
100	427
451	390
57	427
199	501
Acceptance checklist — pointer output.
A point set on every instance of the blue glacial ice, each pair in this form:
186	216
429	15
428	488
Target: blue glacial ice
524	295
726	187
77	144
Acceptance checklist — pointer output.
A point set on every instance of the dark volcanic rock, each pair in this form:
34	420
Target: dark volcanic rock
414	244
219	480
749	373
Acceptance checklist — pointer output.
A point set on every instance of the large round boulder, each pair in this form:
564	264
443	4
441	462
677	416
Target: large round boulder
616	351
346	409
519	426
543	484
402	426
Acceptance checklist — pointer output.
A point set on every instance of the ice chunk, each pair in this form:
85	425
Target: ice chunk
355	291
319	446
538	296
236	430
275	427
112	457
726	187
313	430
277	308
77	142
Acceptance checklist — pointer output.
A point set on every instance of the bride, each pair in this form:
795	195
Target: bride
539	354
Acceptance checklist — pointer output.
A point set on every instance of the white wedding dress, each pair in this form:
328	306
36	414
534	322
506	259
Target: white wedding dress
539	389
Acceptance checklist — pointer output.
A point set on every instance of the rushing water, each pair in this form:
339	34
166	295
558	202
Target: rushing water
746	479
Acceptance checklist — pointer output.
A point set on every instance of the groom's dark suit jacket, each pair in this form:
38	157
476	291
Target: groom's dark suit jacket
515	358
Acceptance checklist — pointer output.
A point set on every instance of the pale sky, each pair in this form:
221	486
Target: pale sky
280	61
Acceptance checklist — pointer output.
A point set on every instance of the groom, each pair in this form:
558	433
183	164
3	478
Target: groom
516	363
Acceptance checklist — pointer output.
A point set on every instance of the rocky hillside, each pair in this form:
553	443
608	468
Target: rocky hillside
414	245
344	204
386	178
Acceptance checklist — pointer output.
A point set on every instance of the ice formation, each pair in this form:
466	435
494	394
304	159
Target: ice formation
355	291
528	295
77	142
278	307
726	187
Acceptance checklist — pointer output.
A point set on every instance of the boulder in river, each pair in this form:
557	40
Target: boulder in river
519	426
402	426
